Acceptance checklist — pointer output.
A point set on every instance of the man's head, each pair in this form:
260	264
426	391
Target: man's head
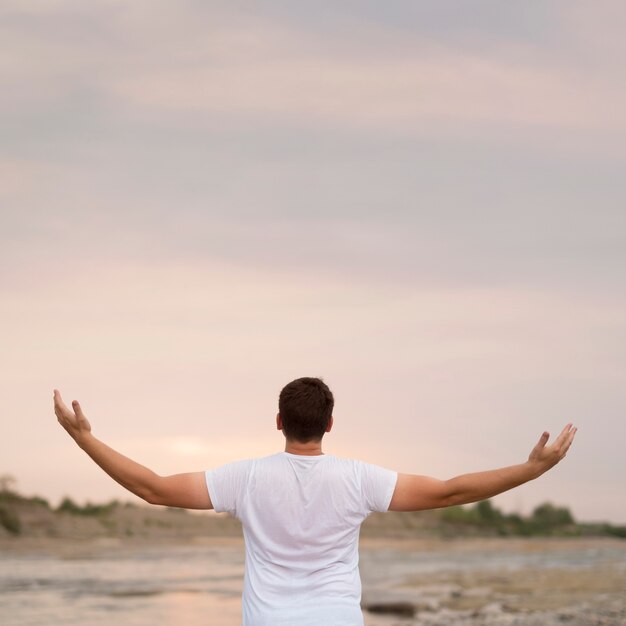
305	408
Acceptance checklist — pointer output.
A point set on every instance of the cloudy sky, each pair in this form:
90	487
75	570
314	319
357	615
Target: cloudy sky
421	202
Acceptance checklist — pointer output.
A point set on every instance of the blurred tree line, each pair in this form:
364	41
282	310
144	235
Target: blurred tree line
547	519
483	517
11	500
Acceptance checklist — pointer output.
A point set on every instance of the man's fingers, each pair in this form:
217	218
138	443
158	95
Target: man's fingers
543	439
81	421
64	414
550	455
58	402
563	435
569	441
80	416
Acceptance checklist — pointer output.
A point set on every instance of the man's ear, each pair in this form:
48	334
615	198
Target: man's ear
330	424
279	422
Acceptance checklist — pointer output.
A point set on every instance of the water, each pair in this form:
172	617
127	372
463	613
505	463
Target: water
196	585
156	586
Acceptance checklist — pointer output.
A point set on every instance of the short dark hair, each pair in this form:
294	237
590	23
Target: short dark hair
305	406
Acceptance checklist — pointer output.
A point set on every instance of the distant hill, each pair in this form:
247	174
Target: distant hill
35	518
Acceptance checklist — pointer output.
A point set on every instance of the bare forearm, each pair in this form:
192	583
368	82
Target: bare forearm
481	485
416	493
131	475
187	490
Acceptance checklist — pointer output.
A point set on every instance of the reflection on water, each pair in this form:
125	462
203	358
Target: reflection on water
196	585
157	586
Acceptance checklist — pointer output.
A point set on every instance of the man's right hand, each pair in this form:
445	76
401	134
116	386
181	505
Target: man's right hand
74	422
187	491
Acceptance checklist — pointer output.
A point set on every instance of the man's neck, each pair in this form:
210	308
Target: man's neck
310	448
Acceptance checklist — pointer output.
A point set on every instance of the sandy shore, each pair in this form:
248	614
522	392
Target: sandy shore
587	593
82	547
462	582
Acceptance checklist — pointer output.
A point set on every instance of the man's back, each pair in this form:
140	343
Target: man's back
301	517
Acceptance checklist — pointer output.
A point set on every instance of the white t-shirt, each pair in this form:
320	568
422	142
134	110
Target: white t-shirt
301	517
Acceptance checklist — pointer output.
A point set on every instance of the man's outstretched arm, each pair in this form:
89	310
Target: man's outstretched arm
187	491
416	493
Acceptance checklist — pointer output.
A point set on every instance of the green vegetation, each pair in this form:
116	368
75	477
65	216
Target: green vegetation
8	496
549	516
10	521
615	531
546	519
20	515
69	506
602	529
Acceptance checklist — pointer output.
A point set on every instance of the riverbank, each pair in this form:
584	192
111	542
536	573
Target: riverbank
32	517
497	582
406	582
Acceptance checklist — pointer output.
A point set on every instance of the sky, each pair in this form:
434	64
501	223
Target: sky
423	203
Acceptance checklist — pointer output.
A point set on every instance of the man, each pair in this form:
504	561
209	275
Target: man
301	510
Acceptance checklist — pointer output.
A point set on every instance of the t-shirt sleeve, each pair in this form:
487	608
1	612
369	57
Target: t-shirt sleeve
377	487
226	485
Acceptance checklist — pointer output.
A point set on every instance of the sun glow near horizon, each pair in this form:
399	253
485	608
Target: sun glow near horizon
421	204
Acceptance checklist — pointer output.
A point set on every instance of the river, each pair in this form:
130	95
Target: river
195	585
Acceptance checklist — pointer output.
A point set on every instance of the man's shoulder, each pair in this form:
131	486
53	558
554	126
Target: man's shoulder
280	458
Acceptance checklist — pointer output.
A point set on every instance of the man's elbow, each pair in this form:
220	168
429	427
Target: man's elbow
157	490
420	493
150	494
150	497
451	496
